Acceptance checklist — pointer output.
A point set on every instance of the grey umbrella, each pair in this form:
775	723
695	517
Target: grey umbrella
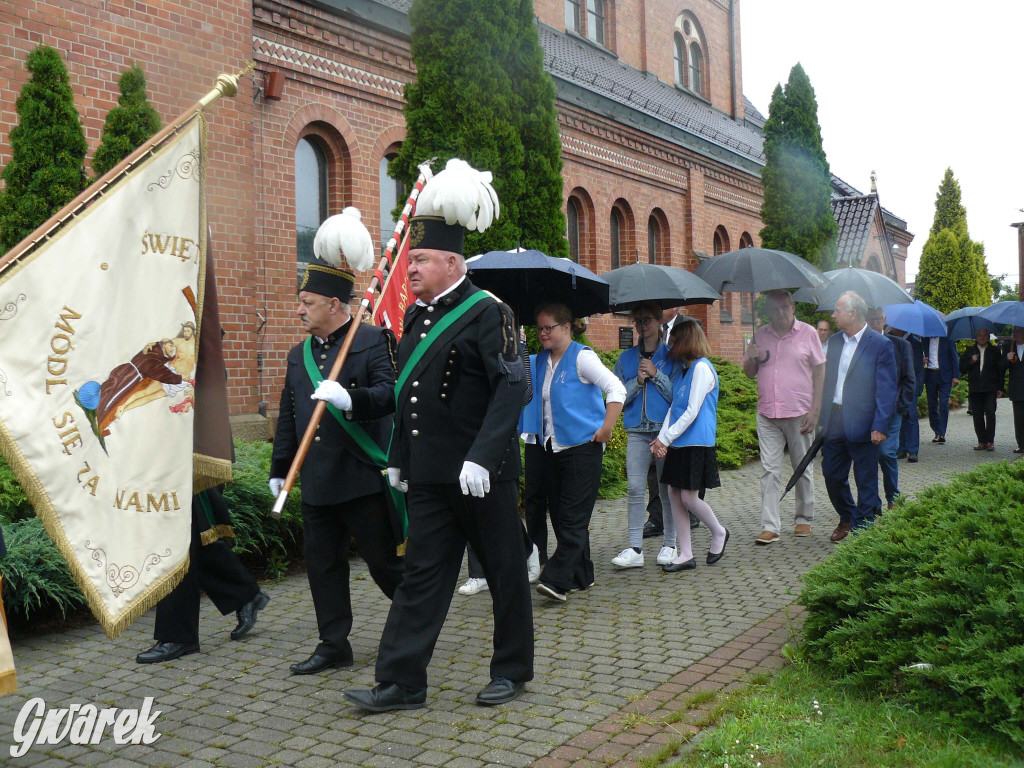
661	285
876	289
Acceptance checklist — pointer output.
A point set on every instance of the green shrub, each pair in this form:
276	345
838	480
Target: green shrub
613	467
938	582
736	440
36	578
14	504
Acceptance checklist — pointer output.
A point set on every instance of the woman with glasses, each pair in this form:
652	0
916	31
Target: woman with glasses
687	444
575	405
644	370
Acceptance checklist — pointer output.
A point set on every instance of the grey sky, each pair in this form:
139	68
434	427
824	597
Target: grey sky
907	88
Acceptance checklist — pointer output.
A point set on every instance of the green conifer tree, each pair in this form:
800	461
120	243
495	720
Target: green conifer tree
481	94
47	166
797	210
127	125
949	212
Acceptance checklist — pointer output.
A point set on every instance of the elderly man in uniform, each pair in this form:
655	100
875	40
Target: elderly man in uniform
457	456
342	490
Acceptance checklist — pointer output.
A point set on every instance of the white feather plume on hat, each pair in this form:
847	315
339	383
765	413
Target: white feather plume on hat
345	236
461	194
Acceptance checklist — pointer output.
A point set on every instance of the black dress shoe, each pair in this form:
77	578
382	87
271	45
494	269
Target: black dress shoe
247	615
689	565
318	663
694	522
385	697
166	652
901	454
713	558
912	458
500	690
651	530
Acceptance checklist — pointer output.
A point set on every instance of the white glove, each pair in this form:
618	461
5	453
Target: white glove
475	480
395	479
276	484
333	393
173	389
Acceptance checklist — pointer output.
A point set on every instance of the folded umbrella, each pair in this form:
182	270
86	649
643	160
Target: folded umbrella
800	468
875	288
964	323
657	284
917	318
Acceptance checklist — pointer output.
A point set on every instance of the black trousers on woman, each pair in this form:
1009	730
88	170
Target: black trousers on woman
572	478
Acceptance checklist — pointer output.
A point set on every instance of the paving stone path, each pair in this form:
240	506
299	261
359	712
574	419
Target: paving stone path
635	643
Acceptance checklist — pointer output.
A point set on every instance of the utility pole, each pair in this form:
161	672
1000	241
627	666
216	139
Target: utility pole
1019	226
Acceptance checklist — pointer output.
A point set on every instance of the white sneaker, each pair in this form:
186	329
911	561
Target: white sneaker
628	558
472	586
533	565
667	555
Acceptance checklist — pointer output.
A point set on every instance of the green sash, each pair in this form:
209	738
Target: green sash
358	434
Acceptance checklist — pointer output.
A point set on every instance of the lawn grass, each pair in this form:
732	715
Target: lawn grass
799	719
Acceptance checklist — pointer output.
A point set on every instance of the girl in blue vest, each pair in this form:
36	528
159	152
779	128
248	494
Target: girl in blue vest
687	443
575	404
644	370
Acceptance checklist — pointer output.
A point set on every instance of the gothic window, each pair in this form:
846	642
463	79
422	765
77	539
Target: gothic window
595	21
572	15
310	196
653	239
680	59
572	220
392	193
616	238
690	52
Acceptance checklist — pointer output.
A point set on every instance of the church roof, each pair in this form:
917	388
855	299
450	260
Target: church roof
855	217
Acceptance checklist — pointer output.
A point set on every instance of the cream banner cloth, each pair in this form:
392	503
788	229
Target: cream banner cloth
99	332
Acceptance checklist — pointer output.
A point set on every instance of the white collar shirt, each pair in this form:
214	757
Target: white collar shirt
849	347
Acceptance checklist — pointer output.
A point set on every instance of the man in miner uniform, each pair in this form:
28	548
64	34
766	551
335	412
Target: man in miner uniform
459	393
342	490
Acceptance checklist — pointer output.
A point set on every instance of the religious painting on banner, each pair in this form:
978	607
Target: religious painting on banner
389	311
99	335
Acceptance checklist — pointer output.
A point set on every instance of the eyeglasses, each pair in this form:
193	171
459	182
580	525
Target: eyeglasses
548	328
643	322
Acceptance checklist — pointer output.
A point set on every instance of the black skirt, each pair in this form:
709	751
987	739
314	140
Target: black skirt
692	468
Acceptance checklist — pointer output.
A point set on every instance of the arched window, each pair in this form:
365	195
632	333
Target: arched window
572	15
616	238
392	192
721	244
595	21
572	223
310	196
653	239
874	263
696	73
746	241
680	60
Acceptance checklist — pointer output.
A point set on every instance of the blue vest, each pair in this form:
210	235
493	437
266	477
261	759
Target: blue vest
577	409
651	398
702	429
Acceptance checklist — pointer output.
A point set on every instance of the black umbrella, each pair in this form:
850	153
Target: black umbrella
804	462
526	279
757	270
664	286
876	289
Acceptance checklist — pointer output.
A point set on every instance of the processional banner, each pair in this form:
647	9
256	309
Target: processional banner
99	339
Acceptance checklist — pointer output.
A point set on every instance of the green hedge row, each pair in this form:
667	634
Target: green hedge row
928	604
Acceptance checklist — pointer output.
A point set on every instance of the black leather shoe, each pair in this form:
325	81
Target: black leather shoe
912	458
689	565
500	690
385	697
247	615
694	522
651	530
318	663
166	652
901	454
712	558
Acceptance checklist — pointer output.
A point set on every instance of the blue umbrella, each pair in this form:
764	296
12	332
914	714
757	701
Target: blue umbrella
917	318
526	279
964	323
1004	313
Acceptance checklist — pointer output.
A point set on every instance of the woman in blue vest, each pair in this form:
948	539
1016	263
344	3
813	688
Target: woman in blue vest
687	443
644	370
575	405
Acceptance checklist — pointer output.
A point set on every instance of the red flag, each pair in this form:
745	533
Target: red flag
389	311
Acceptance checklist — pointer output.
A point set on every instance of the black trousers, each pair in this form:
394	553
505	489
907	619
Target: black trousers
1018	422
476	568
216	570
441	521
326	533
655	508
535	497
573	478
983	409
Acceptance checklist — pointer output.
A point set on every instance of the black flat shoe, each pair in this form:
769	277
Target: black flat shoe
318	663
689	565
247	615
712	558
166	652
500	690
385	697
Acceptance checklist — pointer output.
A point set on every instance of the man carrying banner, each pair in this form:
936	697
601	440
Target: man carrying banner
343	492
458	457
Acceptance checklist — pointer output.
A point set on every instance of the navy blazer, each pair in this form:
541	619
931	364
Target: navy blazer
949	361
905	379
869	391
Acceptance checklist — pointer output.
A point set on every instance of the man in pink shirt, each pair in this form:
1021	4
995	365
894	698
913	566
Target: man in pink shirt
789	386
